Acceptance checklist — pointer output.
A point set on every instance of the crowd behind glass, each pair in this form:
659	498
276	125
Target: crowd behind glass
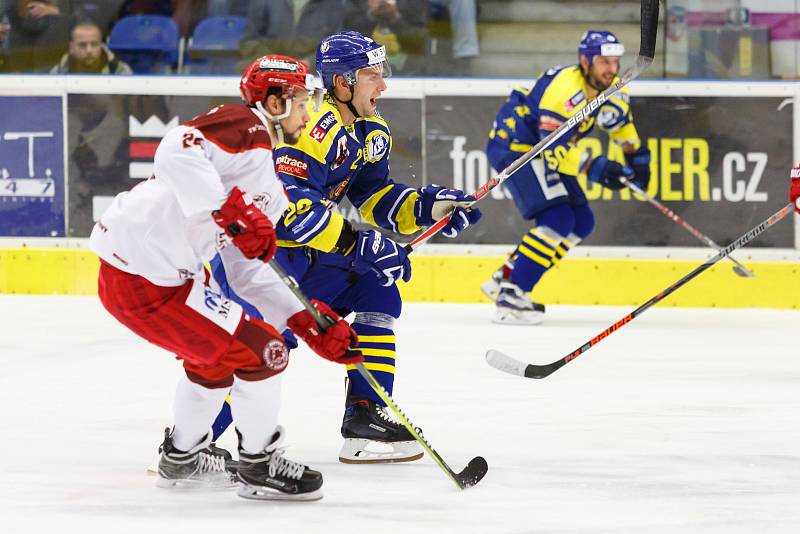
710	39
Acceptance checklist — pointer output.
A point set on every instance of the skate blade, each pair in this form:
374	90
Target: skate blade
193	485
518	318
365	451
490	288
261	493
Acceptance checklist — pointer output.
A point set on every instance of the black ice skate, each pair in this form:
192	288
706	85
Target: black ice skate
199	467
514	306
270	476
371	436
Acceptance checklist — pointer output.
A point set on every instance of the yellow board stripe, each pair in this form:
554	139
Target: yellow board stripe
383	353
375	367
544	249
64	271
376	339
535	257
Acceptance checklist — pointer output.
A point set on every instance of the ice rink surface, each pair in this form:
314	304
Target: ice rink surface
682	421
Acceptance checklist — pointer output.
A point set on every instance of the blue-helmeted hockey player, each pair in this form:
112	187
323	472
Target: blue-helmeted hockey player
547	190
344	153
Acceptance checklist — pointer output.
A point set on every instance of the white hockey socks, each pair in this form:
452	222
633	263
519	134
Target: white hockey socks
255	407
194	410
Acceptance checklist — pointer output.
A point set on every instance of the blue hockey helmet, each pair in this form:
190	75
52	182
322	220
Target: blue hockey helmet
344	53
600	43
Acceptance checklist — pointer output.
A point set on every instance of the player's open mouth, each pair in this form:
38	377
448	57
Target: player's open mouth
373	102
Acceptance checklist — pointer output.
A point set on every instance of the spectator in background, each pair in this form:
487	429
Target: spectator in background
270	29
399	25
101	12
88	55
463	30
38	35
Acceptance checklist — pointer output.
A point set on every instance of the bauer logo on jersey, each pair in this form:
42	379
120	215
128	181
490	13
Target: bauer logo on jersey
293	166
376	146
276	357
213	306
576	99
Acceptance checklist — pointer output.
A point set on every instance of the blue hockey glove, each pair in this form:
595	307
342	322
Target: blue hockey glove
639	161
606	172
436	202
381	255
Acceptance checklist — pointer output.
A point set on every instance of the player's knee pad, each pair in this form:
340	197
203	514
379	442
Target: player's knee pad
556	222
584	221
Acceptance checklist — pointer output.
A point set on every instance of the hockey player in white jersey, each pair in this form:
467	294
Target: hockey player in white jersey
214	190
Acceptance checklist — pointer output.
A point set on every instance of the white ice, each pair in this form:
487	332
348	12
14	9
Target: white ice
682	421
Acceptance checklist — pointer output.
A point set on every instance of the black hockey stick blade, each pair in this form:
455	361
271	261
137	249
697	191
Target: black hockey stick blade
649	27
507	364
475	470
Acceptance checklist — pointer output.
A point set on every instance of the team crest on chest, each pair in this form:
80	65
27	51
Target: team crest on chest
376	146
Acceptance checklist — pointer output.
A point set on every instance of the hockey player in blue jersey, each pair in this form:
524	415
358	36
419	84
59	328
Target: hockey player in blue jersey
547	190
344	153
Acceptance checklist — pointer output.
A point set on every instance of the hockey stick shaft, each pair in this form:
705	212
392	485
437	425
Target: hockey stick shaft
542	371
324	323
742	271
649	30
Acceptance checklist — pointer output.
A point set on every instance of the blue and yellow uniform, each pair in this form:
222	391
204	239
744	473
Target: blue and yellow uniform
547	189
330	162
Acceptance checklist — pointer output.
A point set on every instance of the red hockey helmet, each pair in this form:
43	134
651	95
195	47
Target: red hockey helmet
280	72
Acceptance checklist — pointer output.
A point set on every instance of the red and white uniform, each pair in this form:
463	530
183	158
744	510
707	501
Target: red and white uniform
162	232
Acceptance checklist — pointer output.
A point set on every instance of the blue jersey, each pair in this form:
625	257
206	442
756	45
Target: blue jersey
529	115
332	161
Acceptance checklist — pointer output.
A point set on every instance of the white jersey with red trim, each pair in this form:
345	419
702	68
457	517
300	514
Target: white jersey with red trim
162	229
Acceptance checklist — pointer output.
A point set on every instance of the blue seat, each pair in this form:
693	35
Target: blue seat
148	43
214	47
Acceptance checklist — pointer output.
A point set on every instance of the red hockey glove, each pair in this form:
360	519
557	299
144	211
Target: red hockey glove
334	343
251	230
794	188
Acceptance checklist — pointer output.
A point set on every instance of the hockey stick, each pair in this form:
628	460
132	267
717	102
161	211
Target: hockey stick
507	364
647	48
739	269
475	470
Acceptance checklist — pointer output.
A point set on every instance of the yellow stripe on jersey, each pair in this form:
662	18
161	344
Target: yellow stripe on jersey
572	161
564	86
626	134
519	147
313	146
405	218
326	240
367	207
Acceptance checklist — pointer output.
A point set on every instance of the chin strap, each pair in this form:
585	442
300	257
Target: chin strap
275	119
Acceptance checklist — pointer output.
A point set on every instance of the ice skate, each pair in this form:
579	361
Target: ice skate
371	436
491	287
269	476
514	306
199	467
